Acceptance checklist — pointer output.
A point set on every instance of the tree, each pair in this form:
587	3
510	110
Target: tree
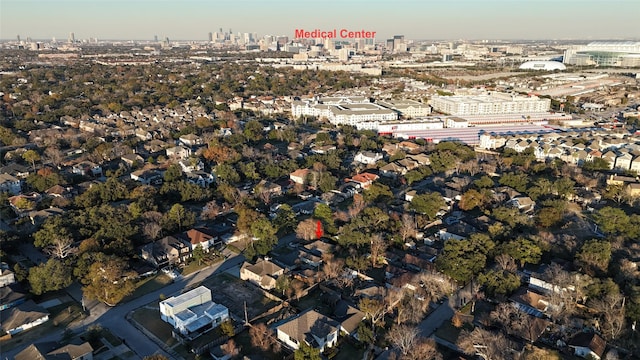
178	218
285	218
461	259
523	250
198	254
378	247
517	181
51	276
594	256
499	282
374	310
427	204
403	337
306	230
173	173
611	220
55	238
377	192
474	198
484	343
407	227
263	338
31	156
108	280
306	352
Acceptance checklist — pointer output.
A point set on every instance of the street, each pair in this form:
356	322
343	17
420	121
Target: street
114	318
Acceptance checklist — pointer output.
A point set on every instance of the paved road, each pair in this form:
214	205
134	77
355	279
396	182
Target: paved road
114	318
432	322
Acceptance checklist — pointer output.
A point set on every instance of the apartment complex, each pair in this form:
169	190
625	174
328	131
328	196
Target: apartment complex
492	103
354	111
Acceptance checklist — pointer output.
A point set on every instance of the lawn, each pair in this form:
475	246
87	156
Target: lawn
148	285
193	266
348	351
150	320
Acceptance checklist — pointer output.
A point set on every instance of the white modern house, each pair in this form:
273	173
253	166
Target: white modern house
193	311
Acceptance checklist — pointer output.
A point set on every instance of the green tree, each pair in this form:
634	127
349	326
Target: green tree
227	173
377	192
198	254
517	181
50	276
474	198
306	352
324	213
108	280
178	218
523	250
461	259
484	182
428	204
594	256
611	220
253	131
285	218
498	282
173	173
31	156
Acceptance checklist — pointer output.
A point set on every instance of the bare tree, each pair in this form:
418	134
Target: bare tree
423	349
211	210
378	247
484	343
408	228
54	155
611	311
306	230
263	338
61	247
332	267
403	337
507	262
434	286
230	348
357	206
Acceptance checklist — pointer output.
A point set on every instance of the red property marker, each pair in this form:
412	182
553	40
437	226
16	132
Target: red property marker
318	230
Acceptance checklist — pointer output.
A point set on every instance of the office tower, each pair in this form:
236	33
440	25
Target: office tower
72	37
18	38
210	36
155	38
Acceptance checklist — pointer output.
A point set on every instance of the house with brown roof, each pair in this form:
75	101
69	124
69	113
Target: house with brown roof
363	180
300	176
263	273
55	351
22	317
204	237
310	327
588	345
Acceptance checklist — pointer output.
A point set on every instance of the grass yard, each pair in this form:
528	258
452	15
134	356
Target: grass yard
148	285
150	320
348	351
193	265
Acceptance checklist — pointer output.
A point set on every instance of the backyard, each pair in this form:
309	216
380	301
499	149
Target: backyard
235	293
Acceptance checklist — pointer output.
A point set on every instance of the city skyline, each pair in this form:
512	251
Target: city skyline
437	19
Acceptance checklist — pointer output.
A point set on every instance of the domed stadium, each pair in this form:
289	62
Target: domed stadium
543	65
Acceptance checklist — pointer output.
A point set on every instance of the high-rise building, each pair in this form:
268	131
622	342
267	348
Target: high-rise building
18	38
155	38
210	36
72	37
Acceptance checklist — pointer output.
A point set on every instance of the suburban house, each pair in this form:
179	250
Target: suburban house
86	168
190	140
588	345
147	177
7	277
10	184
367	157
166	251
22	317
132	160
178	152
522	203
268	188
11	296
53	350
363	180
264	273
203	237
299	176
311	327
193	311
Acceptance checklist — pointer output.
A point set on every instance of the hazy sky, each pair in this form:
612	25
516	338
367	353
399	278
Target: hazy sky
416	19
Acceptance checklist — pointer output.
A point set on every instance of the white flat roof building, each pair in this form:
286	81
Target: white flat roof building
492	103
192	311
604	53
